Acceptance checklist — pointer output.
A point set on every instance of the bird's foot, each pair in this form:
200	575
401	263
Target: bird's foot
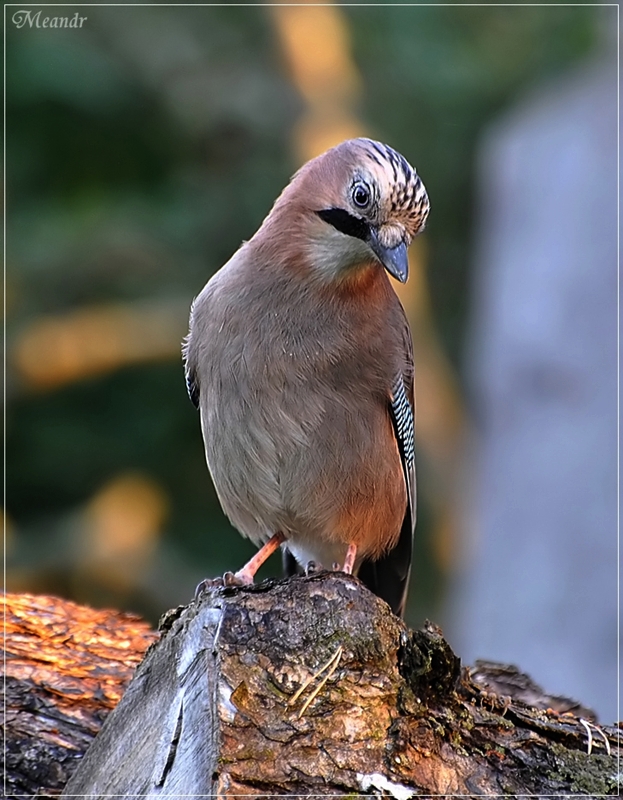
328	669
245	575
312	568
207	584
240	578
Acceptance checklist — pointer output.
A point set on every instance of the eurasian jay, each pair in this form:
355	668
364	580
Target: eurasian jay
300	361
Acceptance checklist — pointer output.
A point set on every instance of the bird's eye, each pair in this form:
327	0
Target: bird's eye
361	194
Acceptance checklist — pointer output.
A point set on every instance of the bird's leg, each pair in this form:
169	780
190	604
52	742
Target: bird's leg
349	561
245	575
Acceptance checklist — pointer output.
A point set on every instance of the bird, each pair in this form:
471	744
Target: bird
299	358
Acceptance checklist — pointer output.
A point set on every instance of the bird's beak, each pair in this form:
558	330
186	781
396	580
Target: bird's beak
394	259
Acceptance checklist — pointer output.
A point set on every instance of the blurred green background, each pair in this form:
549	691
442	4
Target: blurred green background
142	149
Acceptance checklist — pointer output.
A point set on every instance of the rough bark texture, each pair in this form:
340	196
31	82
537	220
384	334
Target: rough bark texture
211	709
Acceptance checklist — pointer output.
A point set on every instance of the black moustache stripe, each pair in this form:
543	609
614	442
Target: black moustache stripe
346	223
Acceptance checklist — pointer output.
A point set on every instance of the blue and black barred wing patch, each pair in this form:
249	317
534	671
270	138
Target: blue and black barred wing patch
388	577
402	414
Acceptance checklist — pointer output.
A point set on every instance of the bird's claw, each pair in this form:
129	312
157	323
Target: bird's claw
206	585
312	568
240	578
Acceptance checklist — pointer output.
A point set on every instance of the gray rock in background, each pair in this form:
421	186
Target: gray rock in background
538	581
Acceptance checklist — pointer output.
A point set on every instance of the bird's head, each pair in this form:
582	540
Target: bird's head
360	203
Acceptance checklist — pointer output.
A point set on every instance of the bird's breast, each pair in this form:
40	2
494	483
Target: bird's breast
295	421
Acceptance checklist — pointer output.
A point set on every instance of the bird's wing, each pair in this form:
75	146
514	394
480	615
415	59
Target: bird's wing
388	577
192	387
192	383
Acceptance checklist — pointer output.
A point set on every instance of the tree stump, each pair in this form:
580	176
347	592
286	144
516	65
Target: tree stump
216	709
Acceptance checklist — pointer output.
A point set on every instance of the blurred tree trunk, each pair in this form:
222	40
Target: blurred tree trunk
213	709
